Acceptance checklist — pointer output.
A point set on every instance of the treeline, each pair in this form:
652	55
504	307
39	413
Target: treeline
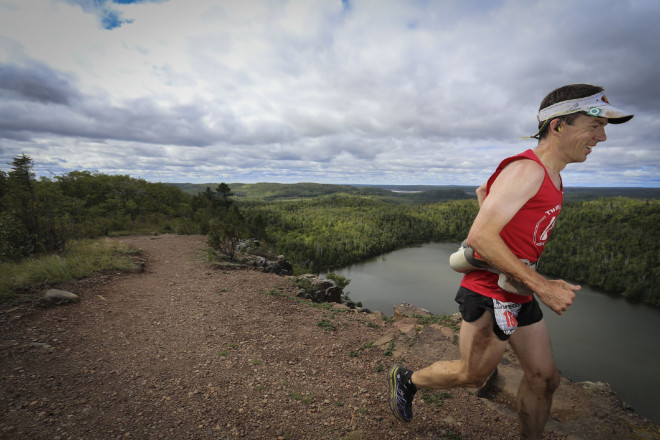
608	243
613	244
302	191
340	230
40	215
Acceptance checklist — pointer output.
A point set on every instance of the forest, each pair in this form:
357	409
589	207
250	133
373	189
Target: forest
610	243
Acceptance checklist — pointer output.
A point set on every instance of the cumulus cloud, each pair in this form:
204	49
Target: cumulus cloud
358	91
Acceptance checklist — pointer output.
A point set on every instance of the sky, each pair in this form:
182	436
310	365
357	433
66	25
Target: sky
329	91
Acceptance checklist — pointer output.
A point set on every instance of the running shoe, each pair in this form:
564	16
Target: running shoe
402	392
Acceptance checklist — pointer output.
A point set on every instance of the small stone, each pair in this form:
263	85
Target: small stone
57	296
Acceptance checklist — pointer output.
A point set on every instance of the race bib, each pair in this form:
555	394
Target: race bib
506	315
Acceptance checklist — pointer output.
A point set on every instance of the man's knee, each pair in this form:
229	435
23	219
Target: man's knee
542	382
475	379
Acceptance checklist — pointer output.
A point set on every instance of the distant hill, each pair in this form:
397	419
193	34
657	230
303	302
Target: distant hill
572	194
271	191
416	194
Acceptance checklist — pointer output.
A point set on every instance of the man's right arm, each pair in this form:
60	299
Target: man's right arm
514	186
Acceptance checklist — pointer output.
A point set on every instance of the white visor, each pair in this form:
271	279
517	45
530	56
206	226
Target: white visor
595	105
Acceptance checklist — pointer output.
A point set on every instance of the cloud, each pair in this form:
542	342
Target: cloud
109	17
36	83
304	90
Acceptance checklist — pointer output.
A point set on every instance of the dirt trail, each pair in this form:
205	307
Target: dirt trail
186	351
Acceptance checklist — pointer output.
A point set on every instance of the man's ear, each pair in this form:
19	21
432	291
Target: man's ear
557	125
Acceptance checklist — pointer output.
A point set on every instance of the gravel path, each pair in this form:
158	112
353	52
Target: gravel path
188	351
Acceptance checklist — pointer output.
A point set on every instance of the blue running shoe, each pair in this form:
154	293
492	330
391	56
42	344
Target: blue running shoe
402	392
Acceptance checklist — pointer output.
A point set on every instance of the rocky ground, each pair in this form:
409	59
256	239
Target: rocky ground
188	350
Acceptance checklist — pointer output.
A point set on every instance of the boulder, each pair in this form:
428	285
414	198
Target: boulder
279	265
320	290
57	296
333	294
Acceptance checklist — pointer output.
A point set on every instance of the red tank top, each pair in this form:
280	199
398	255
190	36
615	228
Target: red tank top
525	234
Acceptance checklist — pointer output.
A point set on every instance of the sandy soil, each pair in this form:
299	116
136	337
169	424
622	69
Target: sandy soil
189	351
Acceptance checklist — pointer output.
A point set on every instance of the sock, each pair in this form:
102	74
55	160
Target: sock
409	383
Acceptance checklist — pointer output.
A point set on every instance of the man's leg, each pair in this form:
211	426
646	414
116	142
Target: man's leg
480	350
540	380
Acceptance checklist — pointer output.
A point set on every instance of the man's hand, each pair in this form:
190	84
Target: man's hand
557	295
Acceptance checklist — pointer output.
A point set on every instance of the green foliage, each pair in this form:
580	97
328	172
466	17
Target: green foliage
273	191
31	218
443	320
101	204
304	284
610	243
40	216
340	230
390	349
80	259
226	232
340	281
326	325
436	398
303	398
410	194
224	195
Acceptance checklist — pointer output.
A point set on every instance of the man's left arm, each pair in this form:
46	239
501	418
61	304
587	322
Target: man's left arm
481	193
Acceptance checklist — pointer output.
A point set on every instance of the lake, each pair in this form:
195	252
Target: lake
601	338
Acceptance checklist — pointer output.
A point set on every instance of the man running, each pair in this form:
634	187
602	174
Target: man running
518	207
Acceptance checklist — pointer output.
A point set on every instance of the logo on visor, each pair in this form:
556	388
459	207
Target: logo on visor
593	111
604	99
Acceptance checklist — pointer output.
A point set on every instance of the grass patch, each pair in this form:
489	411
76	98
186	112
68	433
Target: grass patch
230	347
304	284
80	259
390	349
326	325
322	306
436	398
356	353
302	398
444	320
387	319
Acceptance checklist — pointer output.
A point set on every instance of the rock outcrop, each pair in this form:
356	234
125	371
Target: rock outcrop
279	265
318	289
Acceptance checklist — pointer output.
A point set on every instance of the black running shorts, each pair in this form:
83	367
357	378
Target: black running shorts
472	305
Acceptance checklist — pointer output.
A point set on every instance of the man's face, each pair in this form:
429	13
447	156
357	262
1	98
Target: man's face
580	137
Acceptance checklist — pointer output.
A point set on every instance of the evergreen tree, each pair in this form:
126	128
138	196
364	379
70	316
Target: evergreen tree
224	193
